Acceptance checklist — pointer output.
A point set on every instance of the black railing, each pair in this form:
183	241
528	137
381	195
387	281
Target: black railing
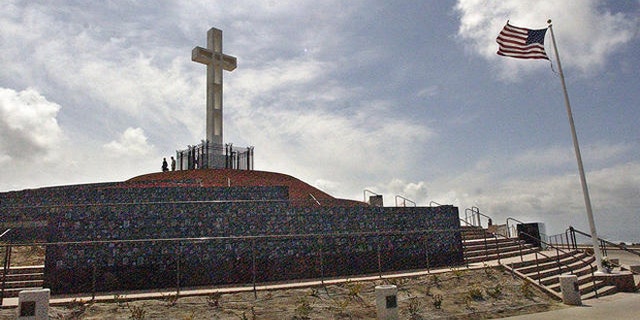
509	234
569	239
558	250
486	244
475	215
208	155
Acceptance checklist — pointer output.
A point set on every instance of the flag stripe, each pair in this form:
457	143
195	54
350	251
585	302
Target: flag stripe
521	43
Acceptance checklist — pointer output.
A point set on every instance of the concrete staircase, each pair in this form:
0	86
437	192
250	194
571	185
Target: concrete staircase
543	267
480	245
21	278
551	263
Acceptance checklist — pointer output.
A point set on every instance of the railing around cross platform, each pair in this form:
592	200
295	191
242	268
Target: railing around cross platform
208	155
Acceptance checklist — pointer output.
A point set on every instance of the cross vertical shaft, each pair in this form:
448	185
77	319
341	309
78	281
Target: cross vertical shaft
215	61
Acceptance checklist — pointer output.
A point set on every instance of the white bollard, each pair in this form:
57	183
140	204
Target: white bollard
387	302
570	290
33	304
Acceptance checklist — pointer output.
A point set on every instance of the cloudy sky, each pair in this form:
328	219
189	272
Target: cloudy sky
405	99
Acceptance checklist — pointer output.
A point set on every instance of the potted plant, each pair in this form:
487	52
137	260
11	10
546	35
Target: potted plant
607	266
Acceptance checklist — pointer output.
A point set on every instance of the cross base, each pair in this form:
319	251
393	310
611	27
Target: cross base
214	156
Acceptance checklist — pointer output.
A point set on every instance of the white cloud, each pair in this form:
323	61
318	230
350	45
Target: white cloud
587	33
132	143
544	193
29	130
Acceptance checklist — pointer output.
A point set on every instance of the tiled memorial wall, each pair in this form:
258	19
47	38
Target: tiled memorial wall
291	242
70	268
27	210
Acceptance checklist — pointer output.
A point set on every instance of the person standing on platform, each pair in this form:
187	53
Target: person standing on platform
165	166
173	164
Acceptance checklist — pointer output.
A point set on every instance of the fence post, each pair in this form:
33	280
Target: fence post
538	267
379	262
6	266
426	251
93	276
253	267
178	269
321	240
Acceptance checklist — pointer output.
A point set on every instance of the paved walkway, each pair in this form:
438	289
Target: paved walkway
618	306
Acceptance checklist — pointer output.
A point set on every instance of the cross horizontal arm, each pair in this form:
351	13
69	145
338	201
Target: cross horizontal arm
205	56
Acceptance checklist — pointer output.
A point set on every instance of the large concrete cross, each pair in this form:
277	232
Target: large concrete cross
216	61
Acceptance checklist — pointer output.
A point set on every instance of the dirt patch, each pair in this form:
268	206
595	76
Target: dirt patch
457	294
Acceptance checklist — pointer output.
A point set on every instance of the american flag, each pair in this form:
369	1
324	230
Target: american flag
521	43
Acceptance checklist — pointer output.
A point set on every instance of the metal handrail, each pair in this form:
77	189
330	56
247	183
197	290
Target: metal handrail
6	266
572	229
476	211
509	229
431	203
486	245
405	199
595	289
314	199
364	194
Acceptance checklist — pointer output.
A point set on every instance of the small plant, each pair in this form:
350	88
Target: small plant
341	306
526	290
489	272
303	309
457	273
607	265
414	309
427	289
171	299
355	288
494	292
191	316
137	312
437	301
398	282
475	294
435	280
119	300
213	300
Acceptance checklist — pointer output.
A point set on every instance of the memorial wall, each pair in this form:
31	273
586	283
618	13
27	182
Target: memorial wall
227	236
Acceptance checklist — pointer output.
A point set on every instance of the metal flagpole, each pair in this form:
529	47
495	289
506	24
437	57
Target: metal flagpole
583	179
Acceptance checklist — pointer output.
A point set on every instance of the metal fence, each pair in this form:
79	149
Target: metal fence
117	265
209	155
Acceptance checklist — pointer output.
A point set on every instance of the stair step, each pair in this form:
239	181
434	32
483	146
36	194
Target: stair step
24	277
23	284
14	292
503	255
582	280
24	269
503	250
551	263
542	259
603	291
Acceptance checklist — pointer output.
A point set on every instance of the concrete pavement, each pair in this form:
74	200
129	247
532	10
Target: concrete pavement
620	306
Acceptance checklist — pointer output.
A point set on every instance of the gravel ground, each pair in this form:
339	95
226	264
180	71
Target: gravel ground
457	294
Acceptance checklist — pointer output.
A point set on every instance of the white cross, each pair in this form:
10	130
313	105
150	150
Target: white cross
216	61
